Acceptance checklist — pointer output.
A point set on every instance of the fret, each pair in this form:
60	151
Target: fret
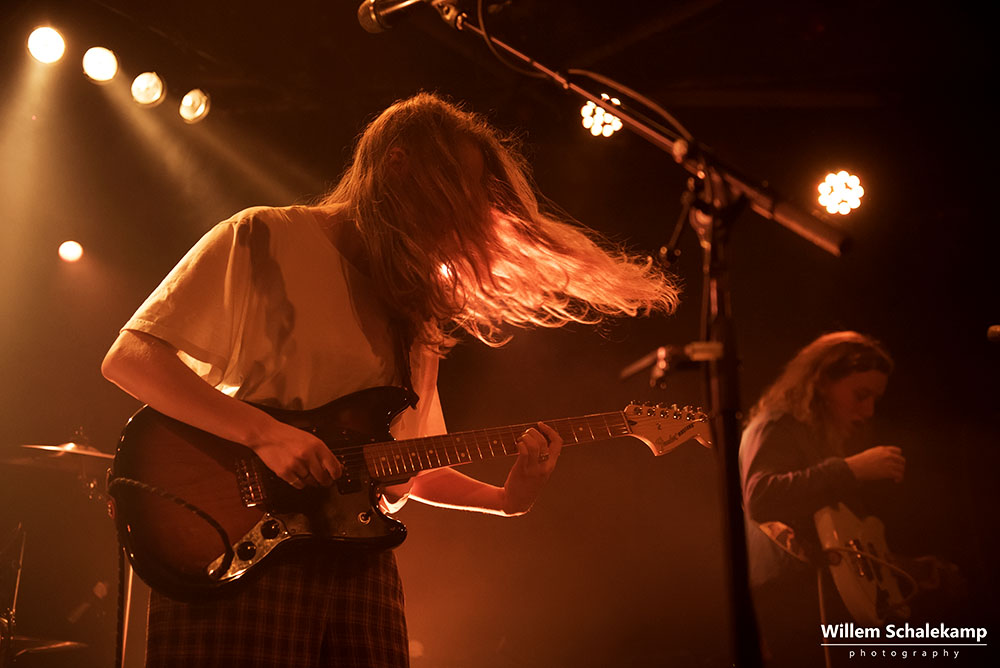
509	445
607	427
402	458
619	424
434	453
423	461
582	433
461	451
444	450
396	458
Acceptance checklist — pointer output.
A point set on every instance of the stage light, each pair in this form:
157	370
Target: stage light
148	89
100	64
70	251
194	105
841	192
46	45
598	120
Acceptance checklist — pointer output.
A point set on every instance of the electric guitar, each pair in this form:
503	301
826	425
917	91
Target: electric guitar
196	512
868	581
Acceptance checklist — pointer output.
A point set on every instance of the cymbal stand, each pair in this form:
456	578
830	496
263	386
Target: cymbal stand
8	606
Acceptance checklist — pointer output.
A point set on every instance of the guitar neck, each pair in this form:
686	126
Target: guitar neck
403	459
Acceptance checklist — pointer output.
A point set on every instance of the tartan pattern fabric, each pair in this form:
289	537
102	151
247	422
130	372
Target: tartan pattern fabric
307	609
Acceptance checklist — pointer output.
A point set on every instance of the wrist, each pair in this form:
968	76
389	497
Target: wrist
856	466
258	430
517	496
511	505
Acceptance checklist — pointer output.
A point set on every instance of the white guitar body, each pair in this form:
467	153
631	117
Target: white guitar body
859	563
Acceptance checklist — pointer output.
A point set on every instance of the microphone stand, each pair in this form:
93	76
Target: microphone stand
717	194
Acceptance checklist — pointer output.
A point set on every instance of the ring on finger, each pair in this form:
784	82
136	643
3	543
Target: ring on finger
543	456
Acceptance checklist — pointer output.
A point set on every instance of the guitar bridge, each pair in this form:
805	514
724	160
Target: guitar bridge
248	480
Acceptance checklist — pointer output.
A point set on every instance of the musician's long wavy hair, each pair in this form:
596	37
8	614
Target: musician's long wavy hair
826	360
449	252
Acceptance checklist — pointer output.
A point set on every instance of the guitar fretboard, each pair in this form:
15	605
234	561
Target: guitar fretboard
395	459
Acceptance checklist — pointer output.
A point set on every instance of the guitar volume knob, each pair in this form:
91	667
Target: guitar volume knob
246	550
270	529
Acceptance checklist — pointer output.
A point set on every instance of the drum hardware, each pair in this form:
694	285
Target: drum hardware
89	466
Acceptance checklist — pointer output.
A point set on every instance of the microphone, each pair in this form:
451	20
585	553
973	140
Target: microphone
379	15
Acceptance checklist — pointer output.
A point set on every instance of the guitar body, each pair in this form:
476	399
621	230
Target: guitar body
179	553
870	589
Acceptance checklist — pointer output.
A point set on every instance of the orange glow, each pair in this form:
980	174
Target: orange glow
841	192
70	251
46	45
100	64
194	106
148	89
598	120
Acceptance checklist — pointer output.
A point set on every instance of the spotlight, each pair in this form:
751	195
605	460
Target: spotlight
598	120
148	89
46	45
70	251
100	64
194	105
841	192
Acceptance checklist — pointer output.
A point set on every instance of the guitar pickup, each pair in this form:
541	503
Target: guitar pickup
348	484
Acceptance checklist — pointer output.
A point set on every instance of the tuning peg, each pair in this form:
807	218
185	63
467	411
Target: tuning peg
693	413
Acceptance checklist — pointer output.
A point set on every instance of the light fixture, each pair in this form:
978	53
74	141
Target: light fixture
70	251
100	64
841	192
46	45
598	120
194	105
148	89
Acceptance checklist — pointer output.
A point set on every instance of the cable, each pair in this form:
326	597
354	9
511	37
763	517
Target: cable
914	587
489	45
228	555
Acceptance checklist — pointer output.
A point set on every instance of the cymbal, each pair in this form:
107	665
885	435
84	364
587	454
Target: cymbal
25	645
66	457
71	449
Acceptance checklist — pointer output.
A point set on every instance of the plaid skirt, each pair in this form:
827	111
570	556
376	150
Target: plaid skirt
307	609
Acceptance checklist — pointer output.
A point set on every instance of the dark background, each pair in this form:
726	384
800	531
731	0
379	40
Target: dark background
620	563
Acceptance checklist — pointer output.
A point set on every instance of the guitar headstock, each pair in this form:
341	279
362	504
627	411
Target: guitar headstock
663	427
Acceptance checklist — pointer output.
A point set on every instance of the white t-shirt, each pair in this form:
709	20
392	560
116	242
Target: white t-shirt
265	308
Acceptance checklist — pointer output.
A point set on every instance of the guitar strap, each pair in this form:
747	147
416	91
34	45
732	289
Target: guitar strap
402	342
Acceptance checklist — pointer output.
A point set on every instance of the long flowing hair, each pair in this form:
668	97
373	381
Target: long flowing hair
826	360
449	252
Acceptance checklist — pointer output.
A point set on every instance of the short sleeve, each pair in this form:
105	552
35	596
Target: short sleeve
201	305
427	419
